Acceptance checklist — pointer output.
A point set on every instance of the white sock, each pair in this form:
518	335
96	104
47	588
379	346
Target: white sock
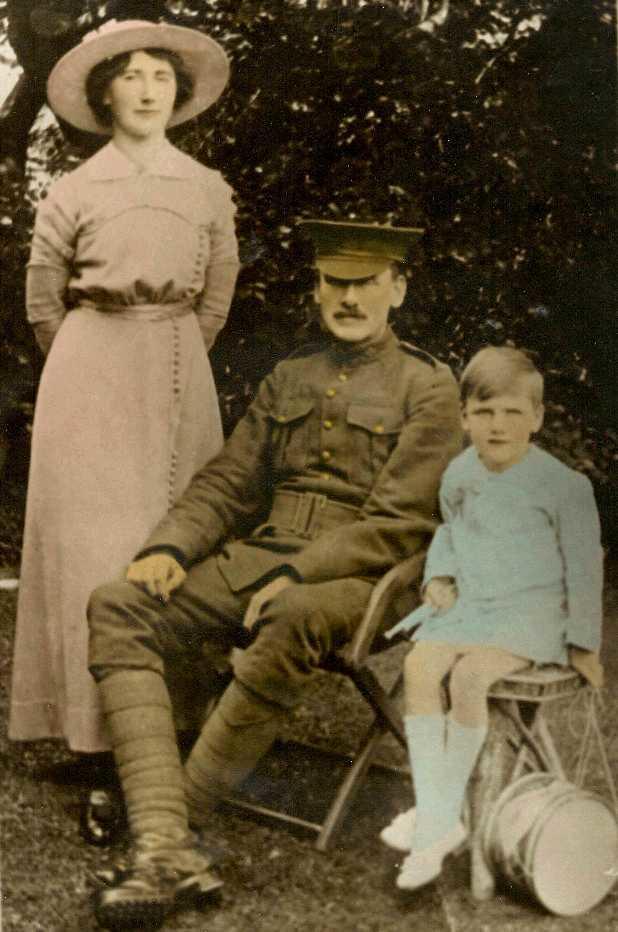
463	745
426	746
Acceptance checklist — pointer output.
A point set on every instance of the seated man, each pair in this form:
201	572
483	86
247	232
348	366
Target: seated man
335	467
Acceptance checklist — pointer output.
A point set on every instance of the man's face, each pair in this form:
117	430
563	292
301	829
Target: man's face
501	427
356	310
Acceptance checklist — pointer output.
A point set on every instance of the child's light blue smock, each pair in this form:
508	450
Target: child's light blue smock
524	549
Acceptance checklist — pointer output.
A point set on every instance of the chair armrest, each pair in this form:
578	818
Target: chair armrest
381	605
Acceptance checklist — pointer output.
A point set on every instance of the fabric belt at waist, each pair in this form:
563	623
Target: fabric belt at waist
139	311
307	513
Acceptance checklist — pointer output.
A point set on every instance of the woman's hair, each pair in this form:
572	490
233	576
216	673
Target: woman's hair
496	370
101	76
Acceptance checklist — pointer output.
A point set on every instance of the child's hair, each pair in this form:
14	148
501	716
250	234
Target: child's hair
495	370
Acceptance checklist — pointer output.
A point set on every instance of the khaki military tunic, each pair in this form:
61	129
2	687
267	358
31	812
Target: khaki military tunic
332	476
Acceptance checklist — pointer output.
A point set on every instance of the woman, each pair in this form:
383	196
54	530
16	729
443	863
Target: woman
131	274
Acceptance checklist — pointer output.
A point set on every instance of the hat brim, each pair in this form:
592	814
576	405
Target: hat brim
349	250
349	269
203	57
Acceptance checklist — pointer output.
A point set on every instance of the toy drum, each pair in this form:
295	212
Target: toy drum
560	843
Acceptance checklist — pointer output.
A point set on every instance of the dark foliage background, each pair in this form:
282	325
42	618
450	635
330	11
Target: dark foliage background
494	129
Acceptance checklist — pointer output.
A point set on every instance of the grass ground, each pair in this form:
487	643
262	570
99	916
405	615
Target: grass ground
274	880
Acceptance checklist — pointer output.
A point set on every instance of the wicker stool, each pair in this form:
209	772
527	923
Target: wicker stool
519	741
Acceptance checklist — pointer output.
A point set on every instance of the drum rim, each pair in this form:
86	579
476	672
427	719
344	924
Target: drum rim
501	801
541	821
567	791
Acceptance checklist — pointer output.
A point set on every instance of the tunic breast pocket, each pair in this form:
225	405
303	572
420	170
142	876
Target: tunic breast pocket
293	434
373	435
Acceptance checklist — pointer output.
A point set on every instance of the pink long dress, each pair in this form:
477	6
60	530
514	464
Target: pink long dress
127	408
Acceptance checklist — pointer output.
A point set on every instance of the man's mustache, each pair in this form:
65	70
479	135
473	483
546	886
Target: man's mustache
350	313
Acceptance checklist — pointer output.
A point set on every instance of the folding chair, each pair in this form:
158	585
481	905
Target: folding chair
393	596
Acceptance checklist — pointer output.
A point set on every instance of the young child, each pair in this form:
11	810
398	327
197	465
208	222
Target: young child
513	576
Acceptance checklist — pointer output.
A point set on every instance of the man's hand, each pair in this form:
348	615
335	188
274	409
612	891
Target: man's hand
159	574
264	595
440	593
587	663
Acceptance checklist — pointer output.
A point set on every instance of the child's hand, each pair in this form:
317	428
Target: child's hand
440	593
587	663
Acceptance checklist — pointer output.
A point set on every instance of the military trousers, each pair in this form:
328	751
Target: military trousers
130	629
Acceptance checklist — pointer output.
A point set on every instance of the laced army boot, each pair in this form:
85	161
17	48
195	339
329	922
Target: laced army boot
155	882
165	870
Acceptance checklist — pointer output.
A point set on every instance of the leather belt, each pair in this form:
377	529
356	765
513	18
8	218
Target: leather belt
307	513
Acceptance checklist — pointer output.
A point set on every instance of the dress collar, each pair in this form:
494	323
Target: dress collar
110	164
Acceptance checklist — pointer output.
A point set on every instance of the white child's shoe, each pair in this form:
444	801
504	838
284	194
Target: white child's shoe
421	867
398	833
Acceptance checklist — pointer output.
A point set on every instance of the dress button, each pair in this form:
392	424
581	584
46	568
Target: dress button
330	392
327	425
324	475
326	454
379	428
280	419
342	377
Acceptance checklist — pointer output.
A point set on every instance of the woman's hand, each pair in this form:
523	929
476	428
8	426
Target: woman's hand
159	574
587	664
44	333
440	593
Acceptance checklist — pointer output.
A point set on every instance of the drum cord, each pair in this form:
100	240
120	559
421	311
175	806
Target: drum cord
592	700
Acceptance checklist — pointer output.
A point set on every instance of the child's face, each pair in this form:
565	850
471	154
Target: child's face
500	427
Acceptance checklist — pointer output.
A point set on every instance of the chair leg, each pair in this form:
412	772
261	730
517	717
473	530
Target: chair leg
487	782
512	711
381	701
386	720
531	739
350	785
547	742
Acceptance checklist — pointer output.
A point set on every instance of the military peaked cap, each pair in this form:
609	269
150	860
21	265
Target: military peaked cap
358	250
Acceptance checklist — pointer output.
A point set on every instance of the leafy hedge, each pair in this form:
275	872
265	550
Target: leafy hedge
494	131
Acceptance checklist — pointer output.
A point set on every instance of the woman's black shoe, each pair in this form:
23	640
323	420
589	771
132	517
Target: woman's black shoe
102	817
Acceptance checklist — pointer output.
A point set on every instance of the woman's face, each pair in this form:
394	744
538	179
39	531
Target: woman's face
141	98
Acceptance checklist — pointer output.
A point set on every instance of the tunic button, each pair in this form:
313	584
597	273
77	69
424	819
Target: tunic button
324	475
379	428
342	377
280	419
327	425
330	392
326	454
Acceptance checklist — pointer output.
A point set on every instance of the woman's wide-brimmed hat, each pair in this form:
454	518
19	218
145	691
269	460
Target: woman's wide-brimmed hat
203	57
